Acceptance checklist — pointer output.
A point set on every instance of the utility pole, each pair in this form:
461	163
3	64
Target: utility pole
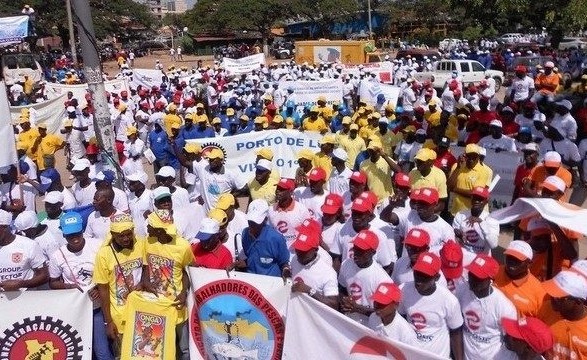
369	16
71	34
93	73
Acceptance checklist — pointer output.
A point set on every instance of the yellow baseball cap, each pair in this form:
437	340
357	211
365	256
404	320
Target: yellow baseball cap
354	127
216	120
193	148
306	154
219	215
278	119
472	149
265	153
230	111
328	139
375	145
225	201
260	120
131	130
244	118
425	154
347	120
215	154
289	123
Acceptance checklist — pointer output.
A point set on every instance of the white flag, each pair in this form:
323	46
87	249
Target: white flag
315	331
8	153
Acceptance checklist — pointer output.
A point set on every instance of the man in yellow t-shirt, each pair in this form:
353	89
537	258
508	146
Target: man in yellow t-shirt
263	184
46	144
425	174
379	168
325	111
28	85
371	128
344	132
170	119
388	138
466	174
323	158
117	271
353	145
314	122
27	136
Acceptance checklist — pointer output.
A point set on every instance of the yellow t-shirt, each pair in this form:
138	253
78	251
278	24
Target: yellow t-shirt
169	120
467	180
48	146
378	177
166	263
27	138
352	147
432	118
107	271
324	161
266	191
326	112
366	131
436	179
317	125
389	140
339	136
361	121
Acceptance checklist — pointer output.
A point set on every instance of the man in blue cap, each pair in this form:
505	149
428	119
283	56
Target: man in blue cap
50	180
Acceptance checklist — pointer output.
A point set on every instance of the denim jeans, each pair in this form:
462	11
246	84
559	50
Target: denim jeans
100	339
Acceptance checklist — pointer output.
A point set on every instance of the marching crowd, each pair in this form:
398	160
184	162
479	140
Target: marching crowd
384	223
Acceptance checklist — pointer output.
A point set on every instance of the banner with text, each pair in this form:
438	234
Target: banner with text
243	65
369	90
51	324
307	92
79	91
384	70
240	317
13	29
50	112
8	155
147	78
239	150
316	331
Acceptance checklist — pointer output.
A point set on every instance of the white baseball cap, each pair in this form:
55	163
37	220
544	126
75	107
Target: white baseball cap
552	159
264	164
554	183
160	192
54	197
519	249
580	267
566	283
138	176
340	154
26	220
482	151
208	228
495	122
530	147
166	171
5	217
258	211
81	164
565	103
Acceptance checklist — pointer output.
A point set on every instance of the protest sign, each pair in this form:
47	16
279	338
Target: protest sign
307	92
8	156
13	29
54	90
369	90
383	70
243	65
50	112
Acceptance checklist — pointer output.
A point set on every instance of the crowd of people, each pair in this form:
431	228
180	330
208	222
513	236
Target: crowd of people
384	223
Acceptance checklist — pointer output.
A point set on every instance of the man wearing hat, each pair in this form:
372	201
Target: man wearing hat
425	174
568	293
262	186
467	174
27	224
546	83
209	252
311	274
104	180
451	258
551	166
379	168
563	121
516	281
140	200
166	177
323	158
236	222
497	140
171	118
167	255
423	300
27	136
53	202
304	157
530	156
483	308
338	182
45	145
360	276
313	195
352	144
528	337
314	122
444	157
287	213
72	267
522	88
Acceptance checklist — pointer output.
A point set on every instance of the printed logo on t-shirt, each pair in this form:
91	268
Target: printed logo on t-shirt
473	320
161	273
129	276
355	291
418	320
17	257
471	236
282	226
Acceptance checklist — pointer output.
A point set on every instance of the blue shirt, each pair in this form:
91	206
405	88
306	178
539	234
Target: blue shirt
158	143
362	156
208	132
294	115
267	253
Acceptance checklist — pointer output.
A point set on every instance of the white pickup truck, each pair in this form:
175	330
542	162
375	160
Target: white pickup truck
470	71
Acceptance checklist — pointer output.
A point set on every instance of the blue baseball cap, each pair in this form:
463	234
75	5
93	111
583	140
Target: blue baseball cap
48	177
71	223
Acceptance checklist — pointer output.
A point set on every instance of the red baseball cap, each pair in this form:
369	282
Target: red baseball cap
370	197
451	258
307	240
332	204
484	267
362	205
310	225
359	177
481	191
428	263
417	237
531	330
387	293
92	149
286	184
317	174
366	240
427	195
401	180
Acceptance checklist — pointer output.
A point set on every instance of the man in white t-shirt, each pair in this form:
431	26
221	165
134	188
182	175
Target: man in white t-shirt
287	213
432	310
22	264
312	196
360	277
83	189
385	320
483	307
27	224
50	180
98	224
332	219
140	201
310	274
104	180
522	87
166	177
54	208
497	140
338	182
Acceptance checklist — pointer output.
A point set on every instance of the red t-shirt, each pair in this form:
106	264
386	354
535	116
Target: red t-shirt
219	258
483	117
445	161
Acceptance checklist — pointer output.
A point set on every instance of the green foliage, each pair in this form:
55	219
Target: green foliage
187	44
325	12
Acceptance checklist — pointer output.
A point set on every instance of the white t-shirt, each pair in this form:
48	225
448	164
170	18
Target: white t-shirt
343	244
19	258
180	198
48	243
98	226
431	317
212	185
329	234
138	206
235	230
311	201
361	283
399	329
483	333
53	227
339	183
567	149
439	230
68	199
481	237
504	143
75	268
120	201
522	88
286	221
566	125
317	275
11	191
84	196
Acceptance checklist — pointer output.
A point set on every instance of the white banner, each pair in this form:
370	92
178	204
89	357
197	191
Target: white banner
369	90
239	150
243	65
384	70
8	155
147	78
79	91
565	215
51	324
241	317
50	112
315	331
13	29
307	92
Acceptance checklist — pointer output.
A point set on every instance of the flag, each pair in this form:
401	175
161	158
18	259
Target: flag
8	154
316	331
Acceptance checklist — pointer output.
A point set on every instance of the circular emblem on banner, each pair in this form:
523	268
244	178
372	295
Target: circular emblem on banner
41	338
206	148
233	320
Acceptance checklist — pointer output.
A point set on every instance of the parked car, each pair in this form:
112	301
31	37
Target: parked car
470	71
572	43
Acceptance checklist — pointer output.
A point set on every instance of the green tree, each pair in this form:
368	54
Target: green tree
324	13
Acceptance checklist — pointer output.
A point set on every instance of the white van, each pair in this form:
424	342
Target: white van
16	66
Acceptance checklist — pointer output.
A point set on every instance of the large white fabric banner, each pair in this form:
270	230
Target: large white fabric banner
13	29
54	90
307	92
51	324
8	154
243	65
239	150
50	112
369	90
147	78
241	317
565	215
315	331
384	70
